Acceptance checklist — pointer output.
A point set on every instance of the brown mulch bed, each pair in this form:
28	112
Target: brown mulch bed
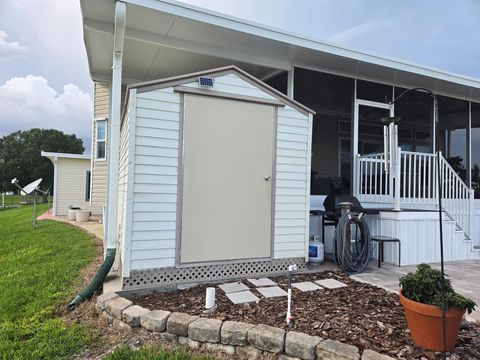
108	338
359	314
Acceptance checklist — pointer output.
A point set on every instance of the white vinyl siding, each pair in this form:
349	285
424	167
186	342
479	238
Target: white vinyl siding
156	176
71	181
292	176
235	85
155	179
124	176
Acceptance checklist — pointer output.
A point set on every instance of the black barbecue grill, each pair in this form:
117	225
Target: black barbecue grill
332	211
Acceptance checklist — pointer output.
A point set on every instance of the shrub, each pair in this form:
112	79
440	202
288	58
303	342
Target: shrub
424	286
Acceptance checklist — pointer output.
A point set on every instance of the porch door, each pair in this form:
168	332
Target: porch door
227	180
367	135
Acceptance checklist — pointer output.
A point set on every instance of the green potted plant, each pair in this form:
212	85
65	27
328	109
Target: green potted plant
420	296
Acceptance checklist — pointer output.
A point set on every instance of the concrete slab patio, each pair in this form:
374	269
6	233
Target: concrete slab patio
465	277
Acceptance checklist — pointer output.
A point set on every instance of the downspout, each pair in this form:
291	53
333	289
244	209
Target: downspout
113	159
114	139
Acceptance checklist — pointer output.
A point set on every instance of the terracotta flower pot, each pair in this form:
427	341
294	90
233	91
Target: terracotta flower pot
425	324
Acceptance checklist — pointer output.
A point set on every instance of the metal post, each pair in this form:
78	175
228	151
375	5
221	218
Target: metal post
35	209
470	215
397	178
442	284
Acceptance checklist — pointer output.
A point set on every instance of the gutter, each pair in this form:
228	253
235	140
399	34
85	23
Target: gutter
112	195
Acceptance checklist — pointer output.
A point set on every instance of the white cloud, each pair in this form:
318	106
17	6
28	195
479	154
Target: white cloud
8	49
29	102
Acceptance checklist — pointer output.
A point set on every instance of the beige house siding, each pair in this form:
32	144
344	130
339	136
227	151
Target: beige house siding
71	184
99	167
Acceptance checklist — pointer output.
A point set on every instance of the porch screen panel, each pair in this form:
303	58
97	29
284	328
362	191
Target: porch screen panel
331	96
452	133
475	151
415	129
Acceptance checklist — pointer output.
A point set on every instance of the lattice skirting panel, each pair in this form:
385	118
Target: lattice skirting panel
142	279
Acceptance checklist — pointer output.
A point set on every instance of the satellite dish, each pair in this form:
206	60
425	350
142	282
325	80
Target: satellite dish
14	180
31	187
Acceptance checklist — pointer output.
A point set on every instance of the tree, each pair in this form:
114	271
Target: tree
20	155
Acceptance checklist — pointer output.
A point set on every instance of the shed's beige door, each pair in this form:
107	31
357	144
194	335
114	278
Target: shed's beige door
227	186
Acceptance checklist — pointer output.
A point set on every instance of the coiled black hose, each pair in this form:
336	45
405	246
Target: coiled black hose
96	282
352	256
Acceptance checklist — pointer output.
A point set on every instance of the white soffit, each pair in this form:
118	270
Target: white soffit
166	38
64	155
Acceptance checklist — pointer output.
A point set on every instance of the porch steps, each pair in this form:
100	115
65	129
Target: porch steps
470	251
457	246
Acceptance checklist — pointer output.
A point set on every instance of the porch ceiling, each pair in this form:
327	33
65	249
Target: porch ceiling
166	38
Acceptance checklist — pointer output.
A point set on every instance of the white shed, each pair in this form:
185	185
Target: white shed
71	181
214	180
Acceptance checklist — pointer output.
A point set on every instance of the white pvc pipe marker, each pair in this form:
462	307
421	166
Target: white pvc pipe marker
291	268
210	298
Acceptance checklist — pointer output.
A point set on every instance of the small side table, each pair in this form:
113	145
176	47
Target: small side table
385	239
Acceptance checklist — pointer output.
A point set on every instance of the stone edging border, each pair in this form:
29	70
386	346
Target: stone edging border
247	341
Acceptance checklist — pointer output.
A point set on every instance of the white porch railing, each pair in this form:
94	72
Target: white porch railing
457	198
417	177
374	184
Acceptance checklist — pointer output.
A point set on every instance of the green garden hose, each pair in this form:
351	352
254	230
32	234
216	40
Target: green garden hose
96	282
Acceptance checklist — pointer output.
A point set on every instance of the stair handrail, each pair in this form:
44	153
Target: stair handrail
455	189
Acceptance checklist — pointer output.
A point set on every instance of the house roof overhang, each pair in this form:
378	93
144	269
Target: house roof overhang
164	38
55	155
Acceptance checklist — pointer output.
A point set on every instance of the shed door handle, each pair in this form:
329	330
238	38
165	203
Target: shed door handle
268	178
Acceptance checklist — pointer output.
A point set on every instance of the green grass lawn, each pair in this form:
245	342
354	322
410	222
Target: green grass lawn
38	272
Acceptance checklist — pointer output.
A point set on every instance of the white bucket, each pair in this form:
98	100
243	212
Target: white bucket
315	252
83	215
72	214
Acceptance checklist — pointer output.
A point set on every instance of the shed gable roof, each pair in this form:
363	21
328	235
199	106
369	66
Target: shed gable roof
231	69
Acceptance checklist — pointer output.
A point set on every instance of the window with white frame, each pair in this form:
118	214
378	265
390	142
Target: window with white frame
101	136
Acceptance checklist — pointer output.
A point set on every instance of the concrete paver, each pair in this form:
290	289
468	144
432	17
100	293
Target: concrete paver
241	297
330	283
305	286
233	287
271	291
262	282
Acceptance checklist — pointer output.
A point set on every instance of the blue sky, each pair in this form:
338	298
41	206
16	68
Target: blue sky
44	80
